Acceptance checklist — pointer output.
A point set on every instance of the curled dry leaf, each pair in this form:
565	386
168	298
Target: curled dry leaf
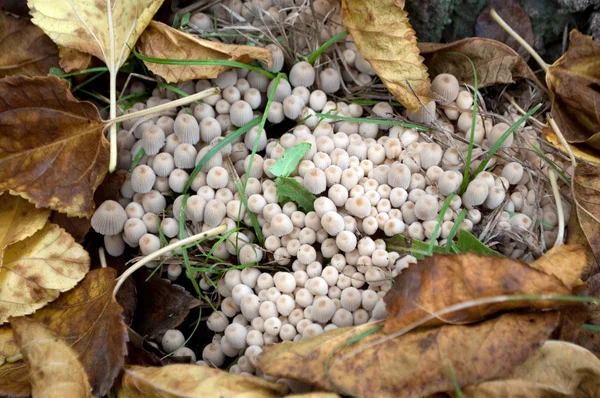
441	281
19	219
54	370
72	60
162	41
574	79
586	195
87	318
580	151
36	270
384	37
412	365
495	62
104	29
557	369
25	49
163	305
192	381
52	149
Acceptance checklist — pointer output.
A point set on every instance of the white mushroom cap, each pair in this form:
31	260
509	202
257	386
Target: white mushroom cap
346	241
323	309
154	202
142	179
431	155
359	207
249	305
425	114
281	225
351	298
464	100
302	74
153	139
426	207
185	156
495	197
476	193
496	133
240	113
217	321
322	205
172	340
236	335
329	80
109	218
284	282
513	172
332	222
163	164
449	182
177	180
213	355
314	181
214	212
255	337
149	244
186	129
446	86
342	318
399	176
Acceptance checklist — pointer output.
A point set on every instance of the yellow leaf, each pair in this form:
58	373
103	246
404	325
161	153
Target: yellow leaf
192	381
162	41
37	269
94	28
579	151
54	369
384	37
72	60
19	219
558	369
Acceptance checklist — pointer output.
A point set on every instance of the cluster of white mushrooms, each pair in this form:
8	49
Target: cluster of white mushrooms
372	181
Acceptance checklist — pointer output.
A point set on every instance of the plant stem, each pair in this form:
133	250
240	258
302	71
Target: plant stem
559	208
203	235
112	165
519	40
562	140
317	53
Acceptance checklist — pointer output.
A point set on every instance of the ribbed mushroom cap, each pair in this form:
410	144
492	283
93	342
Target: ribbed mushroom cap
446	86
281	225
329	80
399	176
217	177
240	113
497	132
476	193
149	244
214	212
134	229
154	202
209	129
142	179
153	139
513	172
292	106
323	309
359	207
426	207
302	74
315	181
186	129
114	244
425	114
163	164
431	155
109	218
449	182
185	156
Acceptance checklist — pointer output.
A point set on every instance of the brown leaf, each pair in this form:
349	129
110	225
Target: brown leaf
165	305
580	151
557	369
36	270
413	365
72	60
515	16
576	236
566	262
384	37
441	281
575	81
162	41
586	195
495	62
52	149
192	381
25	49
88	318
19	219
54	369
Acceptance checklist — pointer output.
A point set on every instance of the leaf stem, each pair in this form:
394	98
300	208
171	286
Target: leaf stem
562	140
176	245
112	165
519	40
559	208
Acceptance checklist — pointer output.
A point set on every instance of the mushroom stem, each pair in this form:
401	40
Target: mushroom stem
519	39
559	208
112	165
168	105
203	235
102	257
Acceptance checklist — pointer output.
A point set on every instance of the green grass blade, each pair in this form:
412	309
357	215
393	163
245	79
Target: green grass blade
455	228
311	58
136	160
438	226
373	121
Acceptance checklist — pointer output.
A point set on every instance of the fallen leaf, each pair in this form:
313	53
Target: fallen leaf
586	196
314	395
412	365
384	37
441	281
72	60
495	62
139	353
19	219
162	41
87	318
557	369
164	305
106	30
575	80
52	149
576	236
580	151
566	262
25	49
36	270
192	381
515	16
54	369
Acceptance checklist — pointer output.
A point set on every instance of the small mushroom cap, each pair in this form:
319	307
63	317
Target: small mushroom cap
109	218
302	74
446	86
186	129
513	172
142	179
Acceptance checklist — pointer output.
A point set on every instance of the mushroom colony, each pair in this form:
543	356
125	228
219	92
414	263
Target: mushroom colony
328	268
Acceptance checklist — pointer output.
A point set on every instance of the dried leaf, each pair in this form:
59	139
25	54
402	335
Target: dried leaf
25	49
52	149
19	219
515	16
72	60
162	41
37	269
495	62
163	305
384	37
290	190
104	29
53	366
574	79
566	262
581	152
413	365
192	381
586	195
441	281
88	318
557	369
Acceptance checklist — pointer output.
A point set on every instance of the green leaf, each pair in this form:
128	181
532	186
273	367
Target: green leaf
56	72
467	242
176	23
185	19
289	189
286	164
415	247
